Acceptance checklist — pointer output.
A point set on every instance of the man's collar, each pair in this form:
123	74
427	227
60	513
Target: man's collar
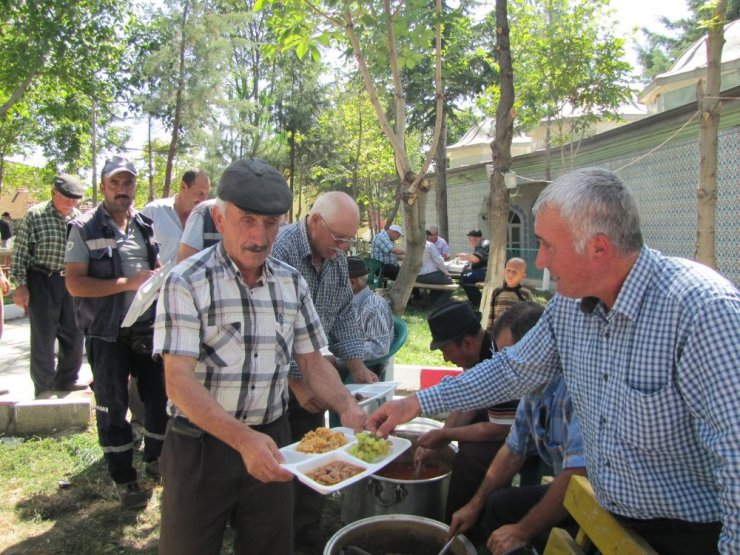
633	289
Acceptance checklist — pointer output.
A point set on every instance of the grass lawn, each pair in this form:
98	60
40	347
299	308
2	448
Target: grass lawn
56	497
416	350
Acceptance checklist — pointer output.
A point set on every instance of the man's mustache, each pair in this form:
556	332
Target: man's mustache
123	197
255	248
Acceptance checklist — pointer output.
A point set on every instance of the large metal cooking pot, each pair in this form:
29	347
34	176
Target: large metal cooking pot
402	534
379	495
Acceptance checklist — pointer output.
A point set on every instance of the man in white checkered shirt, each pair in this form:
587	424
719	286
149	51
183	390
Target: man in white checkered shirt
649	347
229	321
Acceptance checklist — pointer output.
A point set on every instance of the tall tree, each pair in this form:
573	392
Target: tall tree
468	69
179	71
571	70
498	199
403	30
709	106
659	50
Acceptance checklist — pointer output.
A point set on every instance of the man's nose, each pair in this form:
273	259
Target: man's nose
539	261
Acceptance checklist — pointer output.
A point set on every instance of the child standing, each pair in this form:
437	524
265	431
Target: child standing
511	292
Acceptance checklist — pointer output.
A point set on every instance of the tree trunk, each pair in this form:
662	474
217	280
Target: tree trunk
498	209
709	106
291	142
178	106
94	151
150	157
441	189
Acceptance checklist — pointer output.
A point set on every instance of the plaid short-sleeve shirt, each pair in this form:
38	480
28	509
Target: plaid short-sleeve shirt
242	338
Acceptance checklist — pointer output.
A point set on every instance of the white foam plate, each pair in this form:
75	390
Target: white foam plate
145	296
299	463
372	391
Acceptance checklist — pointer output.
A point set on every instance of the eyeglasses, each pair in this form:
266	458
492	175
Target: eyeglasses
337	240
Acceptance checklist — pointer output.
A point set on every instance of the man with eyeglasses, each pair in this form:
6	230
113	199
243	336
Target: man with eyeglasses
316	247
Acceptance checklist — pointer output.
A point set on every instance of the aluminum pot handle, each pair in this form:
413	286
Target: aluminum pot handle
399	494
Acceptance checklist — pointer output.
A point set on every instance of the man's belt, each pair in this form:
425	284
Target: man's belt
46	271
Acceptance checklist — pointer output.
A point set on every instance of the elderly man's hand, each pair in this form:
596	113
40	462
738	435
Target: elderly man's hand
262	457
362	374
354	417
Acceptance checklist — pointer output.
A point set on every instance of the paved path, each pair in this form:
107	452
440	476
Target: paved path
14	358
15	352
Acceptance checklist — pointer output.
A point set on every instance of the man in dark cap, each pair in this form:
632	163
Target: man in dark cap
6	229
478	263
457	332
38	271
374	316
111	252
229	321
316	247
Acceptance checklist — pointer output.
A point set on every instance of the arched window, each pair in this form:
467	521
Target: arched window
515	234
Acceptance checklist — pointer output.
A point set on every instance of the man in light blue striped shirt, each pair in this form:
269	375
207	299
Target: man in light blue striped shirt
649	347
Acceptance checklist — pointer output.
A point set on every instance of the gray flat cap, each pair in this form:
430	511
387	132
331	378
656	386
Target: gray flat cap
69	186
255	186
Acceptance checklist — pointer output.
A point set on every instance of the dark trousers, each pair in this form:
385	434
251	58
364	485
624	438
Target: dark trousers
112	363
437	298
207	485
52	316
309	504
390	271
468	279
469	467
676	537
510	505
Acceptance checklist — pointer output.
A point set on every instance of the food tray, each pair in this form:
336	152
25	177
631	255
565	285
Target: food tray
379	392
299	463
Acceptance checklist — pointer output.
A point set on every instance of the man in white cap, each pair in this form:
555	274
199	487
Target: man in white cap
111	251
229	321
385	250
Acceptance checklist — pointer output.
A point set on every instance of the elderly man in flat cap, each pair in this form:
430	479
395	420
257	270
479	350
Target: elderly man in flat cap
38	271
111	252
229	321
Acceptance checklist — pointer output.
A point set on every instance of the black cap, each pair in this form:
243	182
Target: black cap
118	164
356	266
451	321
475	233
255	186
69	186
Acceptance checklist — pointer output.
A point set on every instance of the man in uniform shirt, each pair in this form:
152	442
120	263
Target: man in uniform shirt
110	253
170	214
38	271
649	347
478	261
230	320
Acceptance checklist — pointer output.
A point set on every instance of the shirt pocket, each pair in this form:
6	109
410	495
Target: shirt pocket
101	263
656	421
223	346
283	344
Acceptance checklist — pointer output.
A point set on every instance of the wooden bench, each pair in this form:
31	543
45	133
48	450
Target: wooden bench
437	286
597	527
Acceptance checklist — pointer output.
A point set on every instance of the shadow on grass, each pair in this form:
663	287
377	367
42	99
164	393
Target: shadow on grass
88	518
